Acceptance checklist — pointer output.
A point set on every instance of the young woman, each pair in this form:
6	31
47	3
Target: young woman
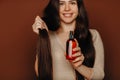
61	17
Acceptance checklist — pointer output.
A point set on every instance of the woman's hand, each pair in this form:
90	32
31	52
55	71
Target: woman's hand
39	24
79	57
77	63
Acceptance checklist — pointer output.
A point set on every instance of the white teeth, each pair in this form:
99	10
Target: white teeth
67	15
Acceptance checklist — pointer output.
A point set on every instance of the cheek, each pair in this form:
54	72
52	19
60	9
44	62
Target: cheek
60	15
76	11
61	9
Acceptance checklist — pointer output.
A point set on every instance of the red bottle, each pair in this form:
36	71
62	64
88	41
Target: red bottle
71	43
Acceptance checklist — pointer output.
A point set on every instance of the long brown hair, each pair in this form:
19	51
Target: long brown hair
44	56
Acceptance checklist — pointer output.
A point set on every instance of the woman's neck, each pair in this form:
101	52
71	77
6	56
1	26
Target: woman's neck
65	28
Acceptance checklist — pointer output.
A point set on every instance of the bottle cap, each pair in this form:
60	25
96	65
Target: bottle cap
71	36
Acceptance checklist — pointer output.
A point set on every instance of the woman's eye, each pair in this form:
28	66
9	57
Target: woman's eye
61	3
73	3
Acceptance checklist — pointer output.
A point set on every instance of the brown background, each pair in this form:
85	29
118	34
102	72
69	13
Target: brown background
18	42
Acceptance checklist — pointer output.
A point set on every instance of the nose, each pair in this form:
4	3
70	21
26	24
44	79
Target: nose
67	7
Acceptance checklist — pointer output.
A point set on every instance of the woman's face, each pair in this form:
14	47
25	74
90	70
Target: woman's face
68	10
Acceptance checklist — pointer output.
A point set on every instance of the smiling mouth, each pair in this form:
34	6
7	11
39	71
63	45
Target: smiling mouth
67	14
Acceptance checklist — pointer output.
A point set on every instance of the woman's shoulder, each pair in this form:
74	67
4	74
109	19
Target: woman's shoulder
95	34
93	31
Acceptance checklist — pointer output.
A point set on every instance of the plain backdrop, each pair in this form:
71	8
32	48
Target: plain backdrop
18	41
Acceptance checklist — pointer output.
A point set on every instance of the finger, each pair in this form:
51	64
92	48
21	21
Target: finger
77	54
33	26
42	24
38	19
82	58
76	42
34	29
76	49
36	25
77	64
39	24
77	59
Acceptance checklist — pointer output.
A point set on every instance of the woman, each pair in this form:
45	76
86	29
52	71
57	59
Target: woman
61	17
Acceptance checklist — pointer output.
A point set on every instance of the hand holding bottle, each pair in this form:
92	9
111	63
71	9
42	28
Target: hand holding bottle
73	51
79	57
39	24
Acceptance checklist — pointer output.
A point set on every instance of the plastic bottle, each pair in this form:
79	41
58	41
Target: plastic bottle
71	43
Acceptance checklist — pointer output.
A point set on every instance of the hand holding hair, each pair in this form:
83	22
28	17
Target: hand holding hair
39	24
